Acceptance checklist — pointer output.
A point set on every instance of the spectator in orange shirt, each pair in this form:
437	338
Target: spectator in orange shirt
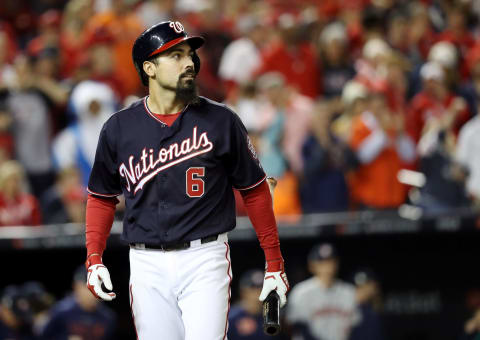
124	25
382	148
16	206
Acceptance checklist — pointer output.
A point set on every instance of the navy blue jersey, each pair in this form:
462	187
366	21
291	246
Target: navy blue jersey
177	180
68	319
7	333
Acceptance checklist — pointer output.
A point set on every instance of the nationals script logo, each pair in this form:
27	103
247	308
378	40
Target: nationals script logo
151	162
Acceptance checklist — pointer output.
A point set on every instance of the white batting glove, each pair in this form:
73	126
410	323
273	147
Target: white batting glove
98	274
278	282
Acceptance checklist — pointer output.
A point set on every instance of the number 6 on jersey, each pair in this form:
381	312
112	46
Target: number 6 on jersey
195	186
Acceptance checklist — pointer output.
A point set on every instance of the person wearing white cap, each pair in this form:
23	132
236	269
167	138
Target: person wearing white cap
444	53
447	55
92	103
353	100
337	68
435	102
242	56
371	67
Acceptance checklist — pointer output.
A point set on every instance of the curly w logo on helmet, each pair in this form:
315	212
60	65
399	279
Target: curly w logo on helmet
177	26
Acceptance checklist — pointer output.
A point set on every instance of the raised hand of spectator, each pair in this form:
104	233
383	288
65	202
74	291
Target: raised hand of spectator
458	105
52	89
5	121
398	121
24	73
320	123
385	120
473	325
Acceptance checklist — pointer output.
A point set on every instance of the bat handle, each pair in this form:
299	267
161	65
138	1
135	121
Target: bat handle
271	314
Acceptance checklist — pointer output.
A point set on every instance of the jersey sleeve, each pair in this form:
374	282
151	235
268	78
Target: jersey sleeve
243	166
104	179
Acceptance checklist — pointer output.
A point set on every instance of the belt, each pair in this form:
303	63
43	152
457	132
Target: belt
172	246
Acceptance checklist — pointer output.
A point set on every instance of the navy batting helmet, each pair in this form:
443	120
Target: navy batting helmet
159	38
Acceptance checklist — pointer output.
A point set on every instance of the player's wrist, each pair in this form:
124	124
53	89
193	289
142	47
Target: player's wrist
275	265
274	259
93	259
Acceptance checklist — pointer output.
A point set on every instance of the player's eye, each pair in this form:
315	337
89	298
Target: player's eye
176	56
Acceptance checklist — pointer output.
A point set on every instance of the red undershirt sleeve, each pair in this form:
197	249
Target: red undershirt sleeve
258	203
99	219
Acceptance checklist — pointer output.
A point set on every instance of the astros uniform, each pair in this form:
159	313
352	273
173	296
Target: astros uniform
326	313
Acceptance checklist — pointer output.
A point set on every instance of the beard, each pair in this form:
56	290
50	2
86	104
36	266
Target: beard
186	88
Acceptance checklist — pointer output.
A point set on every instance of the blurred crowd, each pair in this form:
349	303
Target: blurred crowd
327	306
351	104
29	311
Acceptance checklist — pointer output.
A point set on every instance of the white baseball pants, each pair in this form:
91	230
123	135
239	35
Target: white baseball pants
183	294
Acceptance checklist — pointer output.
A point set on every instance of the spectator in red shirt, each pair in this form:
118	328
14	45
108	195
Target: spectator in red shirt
446	54
7	73
294	57
370	68
101	61
435	101
72	37
456	31
49	32
16	206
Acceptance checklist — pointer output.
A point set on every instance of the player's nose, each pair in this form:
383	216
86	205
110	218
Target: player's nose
189	65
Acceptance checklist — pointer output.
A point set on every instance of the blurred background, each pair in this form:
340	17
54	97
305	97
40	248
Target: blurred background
364	110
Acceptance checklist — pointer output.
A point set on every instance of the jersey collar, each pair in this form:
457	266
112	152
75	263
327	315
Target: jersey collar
151	114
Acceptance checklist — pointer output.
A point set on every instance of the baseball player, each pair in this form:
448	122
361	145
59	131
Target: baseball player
322	307
79	315
176	156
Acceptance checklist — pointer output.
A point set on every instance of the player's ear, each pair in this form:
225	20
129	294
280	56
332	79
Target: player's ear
149	68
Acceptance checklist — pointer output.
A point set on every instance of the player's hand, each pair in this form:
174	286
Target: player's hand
275	281
97	274
272	183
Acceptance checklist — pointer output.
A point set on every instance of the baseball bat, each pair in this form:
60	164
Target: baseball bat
271	314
